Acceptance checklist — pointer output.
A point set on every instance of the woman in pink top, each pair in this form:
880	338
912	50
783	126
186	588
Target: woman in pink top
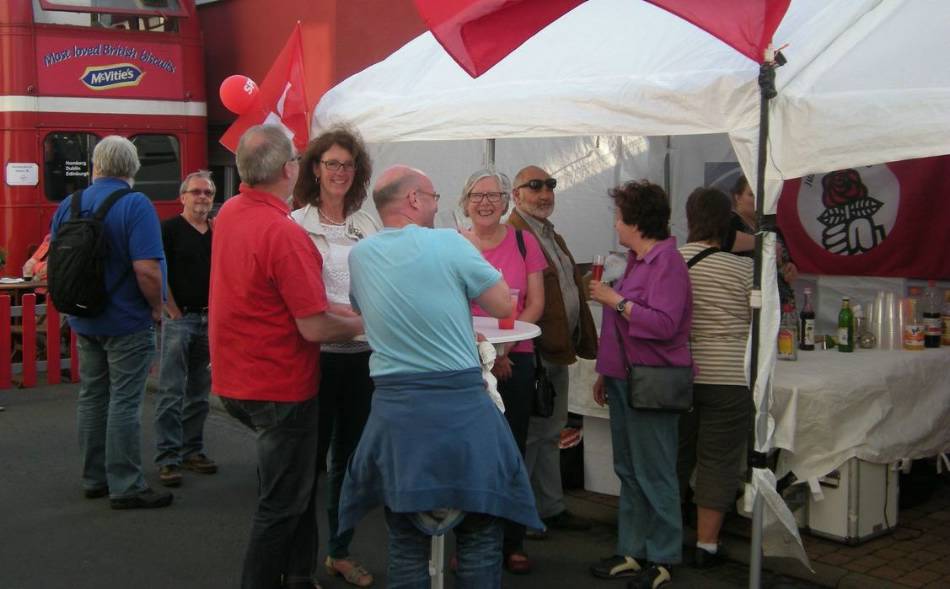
485	198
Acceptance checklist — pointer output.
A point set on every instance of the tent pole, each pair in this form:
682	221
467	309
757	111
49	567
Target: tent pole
757	459
489	153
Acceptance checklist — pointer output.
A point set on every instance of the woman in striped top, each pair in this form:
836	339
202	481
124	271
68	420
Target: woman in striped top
713	436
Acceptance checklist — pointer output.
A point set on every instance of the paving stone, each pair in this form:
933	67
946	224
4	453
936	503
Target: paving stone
939	566
901	534
835	558
890	553
919	578
905	564
865	564
924	556
941	515
887	572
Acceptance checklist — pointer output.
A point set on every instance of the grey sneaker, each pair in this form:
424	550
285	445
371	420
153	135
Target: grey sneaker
147	499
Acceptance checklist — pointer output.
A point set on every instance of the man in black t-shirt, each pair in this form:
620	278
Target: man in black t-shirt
185	376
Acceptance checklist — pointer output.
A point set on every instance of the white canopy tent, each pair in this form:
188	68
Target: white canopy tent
864	84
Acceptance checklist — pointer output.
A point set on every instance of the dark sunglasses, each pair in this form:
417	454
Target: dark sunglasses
536	184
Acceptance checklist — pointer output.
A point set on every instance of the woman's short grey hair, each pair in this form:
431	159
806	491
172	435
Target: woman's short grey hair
115	157
261	154
504	185
203	175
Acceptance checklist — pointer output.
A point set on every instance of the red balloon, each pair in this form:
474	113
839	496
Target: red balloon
238	93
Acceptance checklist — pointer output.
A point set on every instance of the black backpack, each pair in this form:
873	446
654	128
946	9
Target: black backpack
77	260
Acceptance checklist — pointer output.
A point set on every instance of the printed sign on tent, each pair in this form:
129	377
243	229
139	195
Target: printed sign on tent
881	220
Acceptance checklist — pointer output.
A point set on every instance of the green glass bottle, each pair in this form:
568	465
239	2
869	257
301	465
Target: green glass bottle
845	327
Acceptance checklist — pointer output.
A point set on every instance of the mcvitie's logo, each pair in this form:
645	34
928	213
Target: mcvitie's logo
107	77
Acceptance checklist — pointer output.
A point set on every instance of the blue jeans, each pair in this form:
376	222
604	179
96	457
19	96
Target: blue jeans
112	374
283	543
346	395
184	381
645	444
478	539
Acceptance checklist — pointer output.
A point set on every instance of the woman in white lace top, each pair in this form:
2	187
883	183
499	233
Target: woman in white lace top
334	173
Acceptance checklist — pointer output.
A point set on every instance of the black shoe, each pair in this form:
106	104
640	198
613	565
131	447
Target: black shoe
615	567
655	575
566	521
95	493
703	559
147	499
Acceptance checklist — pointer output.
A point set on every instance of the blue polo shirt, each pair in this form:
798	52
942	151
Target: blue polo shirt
133	232
414	286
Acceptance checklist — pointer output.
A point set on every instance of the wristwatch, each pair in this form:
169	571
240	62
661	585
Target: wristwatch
622	305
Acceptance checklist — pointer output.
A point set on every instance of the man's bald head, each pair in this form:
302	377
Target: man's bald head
261	154
528	172
393	184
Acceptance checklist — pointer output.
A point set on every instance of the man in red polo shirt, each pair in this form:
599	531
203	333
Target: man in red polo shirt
268	313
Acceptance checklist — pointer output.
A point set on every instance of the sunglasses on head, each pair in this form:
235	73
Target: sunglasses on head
536	184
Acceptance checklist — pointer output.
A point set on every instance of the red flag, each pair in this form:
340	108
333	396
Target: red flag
282	101
881	220
480	33
745	25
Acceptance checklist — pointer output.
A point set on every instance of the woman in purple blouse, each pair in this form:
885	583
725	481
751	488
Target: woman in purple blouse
649	309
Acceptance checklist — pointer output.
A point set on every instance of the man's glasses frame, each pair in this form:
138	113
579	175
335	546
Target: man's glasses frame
434	195
336	166
199	192
537	184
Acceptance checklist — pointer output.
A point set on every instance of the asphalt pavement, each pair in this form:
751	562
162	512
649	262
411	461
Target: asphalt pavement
51	537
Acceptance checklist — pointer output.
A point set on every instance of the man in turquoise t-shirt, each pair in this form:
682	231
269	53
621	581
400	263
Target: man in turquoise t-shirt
435	451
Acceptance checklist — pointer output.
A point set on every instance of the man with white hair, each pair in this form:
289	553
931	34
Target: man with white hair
181	405
268	315
116	346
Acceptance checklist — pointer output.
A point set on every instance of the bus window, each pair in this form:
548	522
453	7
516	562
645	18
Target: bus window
67	163
135	15
160	174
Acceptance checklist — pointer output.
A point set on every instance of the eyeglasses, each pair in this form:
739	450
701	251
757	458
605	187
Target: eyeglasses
335	166
295	160
536	184
434	195
493	197
200	192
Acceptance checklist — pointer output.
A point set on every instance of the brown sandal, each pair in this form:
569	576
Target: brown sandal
354	575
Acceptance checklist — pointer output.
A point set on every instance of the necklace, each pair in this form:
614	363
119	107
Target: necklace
330	219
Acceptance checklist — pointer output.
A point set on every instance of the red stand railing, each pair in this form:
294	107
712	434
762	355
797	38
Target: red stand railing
53	369
29	340
6	344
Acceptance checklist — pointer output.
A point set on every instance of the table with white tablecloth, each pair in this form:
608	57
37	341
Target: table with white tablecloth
875	405
879	406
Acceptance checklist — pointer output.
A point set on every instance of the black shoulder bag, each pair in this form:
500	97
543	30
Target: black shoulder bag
661	388
543	392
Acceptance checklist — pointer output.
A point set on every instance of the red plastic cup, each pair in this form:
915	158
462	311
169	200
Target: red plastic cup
509	321
597	268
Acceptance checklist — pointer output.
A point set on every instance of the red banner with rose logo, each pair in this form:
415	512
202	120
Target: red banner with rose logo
882	220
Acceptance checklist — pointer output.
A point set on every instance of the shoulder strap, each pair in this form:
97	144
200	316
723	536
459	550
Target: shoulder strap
103	209
699	257
521	245
75	205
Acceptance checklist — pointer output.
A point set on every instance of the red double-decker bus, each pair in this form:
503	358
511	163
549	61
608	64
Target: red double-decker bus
75	71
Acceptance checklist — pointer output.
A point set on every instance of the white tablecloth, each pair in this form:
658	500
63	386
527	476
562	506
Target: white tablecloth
878	406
